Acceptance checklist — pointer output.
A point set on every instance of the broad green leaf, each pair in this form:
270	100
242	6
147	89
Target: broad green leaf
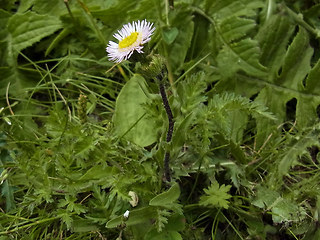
114	13
81	225
29	28
18	79
7	192
243	55
145	9
167	197
4	17
287	211
25	5
234	28
297	149
238	52
283	210
98	172
273	39
177	50
226	8
130	118
53	8
176	222
265	197
137	216
163	235
169	34
293	71
312	81
216	196
230	115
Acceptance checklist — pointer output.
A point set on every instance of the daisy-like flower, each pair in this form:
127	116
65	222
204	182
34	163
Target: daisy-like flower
131	37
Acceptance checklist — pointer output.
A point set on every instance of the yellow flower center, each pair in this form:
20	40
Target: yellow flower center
128	41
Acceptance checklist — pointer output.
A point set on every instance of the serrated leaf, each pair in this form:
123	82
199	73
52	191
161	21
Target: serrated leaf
273	39
243	55
166	198
4	17
162	219
312	81
130	118
293	71
67	219
25	5
287	211
234	28
54	8
265	198
29	28
283	210
216	196
226	8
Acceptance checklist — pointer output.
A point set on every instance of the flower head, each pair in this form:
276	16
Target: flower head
126	214
131	37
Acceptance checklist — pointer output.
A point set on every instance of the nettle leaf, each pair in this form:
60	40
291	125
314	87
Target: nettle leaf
23	30
130	118
216	196
29	28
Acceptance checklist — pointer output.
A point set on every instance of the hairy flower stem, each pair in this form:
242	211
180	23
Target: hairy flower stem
170	129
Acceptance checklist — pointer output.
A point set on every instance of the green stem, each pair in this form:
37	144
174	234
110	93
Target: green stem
29	225
298	18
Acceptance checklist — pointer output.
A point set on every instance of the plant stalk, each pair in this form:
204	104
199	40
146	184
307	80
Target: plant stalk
166	105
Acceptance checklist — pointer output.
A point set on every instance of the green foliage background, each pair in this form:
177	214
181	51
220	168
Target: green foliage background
79	133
